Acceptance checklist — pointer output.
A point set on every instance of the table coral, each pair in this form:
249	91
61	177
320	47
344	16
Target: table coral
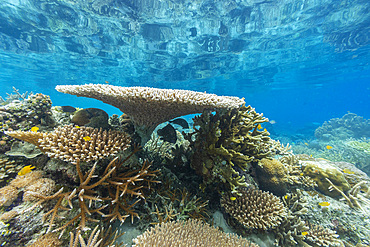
148	107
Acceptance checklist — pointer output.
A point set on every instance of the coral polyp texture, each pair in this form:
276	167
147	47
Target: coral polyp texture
227	142
188	233
74	144
148	107
254	209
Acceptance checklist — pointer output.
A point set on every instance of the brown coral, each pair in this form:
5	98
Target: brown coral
74	144
7	195
254	209
148	107
272	176
47	240
320	236
188	233
43	186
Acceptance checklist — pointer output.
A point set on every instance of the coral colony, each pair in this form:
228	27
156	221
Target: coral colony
68	174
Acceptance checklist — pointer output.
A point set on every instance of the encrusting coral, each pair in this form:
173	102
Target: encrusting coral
75	144
254	209
147	107
188	233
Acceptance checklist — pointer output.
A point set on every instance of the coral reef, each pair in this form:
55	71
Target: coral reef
91	117
47	240
148	107
350	125
188	233
225	143
25	113
7	168
254	209
272	176
319	171
319	236
74	144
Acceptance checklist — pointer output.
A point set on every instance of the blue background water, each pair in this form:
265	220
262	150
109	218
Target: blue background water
299	62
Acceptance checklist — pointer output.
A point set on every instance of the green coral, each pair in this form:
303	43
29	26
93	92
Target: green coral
226	143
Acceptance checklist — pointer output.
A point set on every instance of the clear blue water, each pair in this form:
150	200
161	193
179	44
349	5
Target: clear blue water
299	62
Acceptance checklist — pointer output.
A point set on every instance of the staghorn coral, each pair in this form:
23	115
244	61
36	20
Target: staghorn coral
188	233
148	107
74	144
254	209
272	176
226	143
89	198
289	232
319	236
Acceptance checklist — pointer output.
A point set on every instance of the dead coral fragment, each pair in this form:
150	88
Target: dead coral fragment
148	107
188	233
73	144
254	209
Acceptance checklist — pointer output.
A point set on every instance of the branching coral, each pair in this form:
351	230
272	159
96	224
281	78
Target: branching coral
254	209
90	197
319	236
148	107
74	144
188	233
226	143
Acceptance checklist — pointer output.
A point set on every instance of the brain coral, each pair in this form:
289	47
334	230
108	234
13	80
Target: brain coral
188	233
74	144
148	107
254	209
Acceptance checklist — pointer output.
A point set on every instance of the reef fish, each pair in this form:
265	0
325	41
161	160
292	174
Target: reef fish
259	126
348	171
324	204
232	198
87	138
328	147
168	134
34	129
180	121
26	170
304	233
67	108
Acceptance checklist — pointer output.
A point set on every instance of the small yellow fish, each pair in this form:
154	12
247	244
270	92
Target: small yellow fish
259	126
328	147
311	155
34	129
232	198
304	233
348	171
301	174
286	197
87	138
265	130
26	170
107	82
77	127
324	204
306	143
